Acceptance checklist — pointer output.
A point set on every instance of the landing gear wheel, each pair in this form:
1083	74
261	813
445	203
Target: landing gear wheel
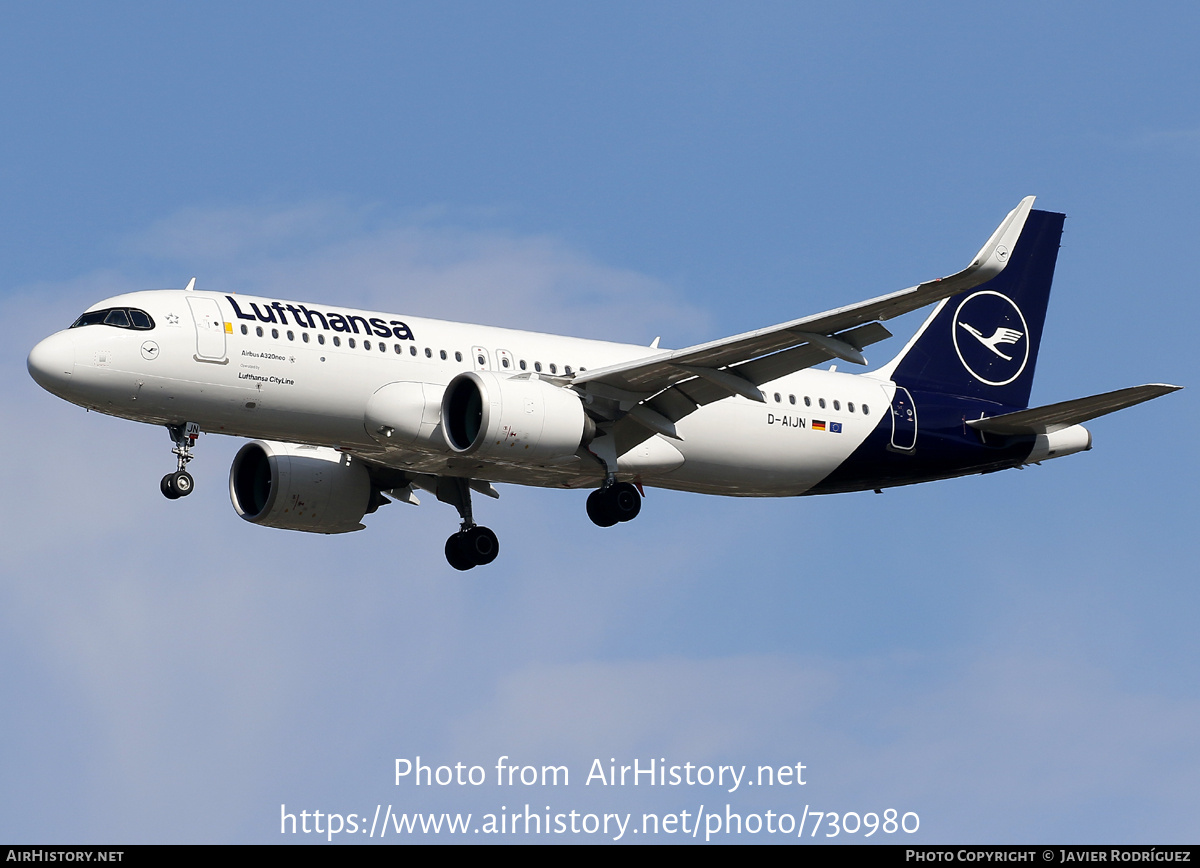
482	545
598	509
457	554
167	487
183	483
472	547
625	500
618	502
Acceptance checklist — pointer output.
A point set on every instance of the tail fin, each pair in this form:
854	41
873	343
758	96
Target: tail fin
983	343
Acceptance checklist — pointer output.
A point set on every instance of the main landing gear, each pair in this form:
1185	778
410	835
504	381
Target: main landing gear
473	545
615	502
180	483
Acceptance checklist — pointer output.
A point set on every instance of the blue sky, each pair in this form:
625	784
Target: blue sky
1012	657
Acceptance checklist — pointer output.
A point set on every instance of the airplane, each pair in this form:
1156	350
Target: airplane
351	409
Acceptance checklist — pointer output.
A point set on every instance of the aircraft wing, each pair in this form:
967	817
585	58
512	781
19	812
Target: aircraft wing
1055	417
681	380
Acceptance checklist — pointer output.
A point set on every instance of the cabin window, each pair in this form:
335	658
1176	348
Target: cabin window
443	355
807	401
412	351
567	370
245	330
821	403
291	335
553	368
504	362
457	356
305	336
428	353
866	410
791	399
275	334
350	342
258	331
320	338
337	341
850	406
837	405
366	344
537	366
522	364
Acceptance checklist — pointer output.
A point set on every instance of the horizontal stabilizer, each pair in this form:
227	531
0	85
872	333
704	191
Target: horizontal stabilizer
1055	417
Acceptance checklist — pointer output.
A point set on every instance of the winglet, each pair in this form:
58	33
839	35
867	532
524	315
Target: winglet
993	256
191	285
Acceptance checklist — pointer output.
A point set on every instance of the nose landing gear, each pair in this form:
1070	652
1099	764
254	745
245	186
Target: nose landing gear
180	483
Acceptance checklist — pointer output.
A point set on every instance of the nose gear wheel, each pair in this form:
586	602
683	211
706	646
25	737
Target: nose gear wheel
180	483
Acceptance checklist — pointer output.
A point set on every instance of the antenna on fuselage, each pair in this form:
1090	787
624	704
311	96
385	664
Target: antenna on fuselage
191	285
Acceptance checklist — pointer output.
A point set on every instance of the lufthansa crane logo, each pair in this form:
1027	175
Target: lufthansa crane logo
991	337
1000	336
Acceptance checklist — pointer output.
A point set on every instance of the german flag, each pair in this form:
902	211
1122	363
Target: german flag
818	425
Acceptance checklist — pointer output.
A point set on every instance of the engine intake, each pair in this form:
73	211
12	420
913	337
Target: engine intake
308	488
517	420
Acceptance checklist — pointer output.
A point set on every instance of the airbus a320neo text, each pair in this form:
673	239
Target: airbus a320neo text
352	409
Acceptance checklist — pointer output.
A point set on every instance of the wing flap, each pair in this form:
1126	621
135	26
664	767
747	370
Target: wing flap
1055	417
684	398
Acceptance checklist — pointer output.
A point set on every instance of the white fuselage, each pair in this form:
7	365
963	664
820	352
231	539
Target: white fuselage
305	373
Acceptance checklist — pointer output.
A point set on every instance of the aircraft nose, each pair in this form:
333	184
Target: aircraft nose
52	363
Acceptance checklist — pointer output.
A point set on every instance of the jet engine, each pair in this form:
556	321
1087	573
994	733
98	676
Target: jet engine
308	488
525	421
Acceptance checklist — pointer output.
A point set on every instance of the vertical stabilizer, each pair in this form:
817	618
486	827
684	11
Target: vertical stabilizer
983	343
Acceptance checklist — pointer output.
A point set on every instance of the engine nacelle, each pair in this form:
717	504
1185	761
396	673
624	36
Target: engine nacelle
521	421
309	488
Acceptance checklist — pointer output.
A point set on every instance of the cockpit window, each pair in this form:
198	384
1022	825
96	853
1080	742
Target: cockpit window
121	317
94	318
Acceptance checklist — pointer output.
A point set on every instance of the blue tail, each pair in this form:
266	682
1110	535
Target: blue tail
984	343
